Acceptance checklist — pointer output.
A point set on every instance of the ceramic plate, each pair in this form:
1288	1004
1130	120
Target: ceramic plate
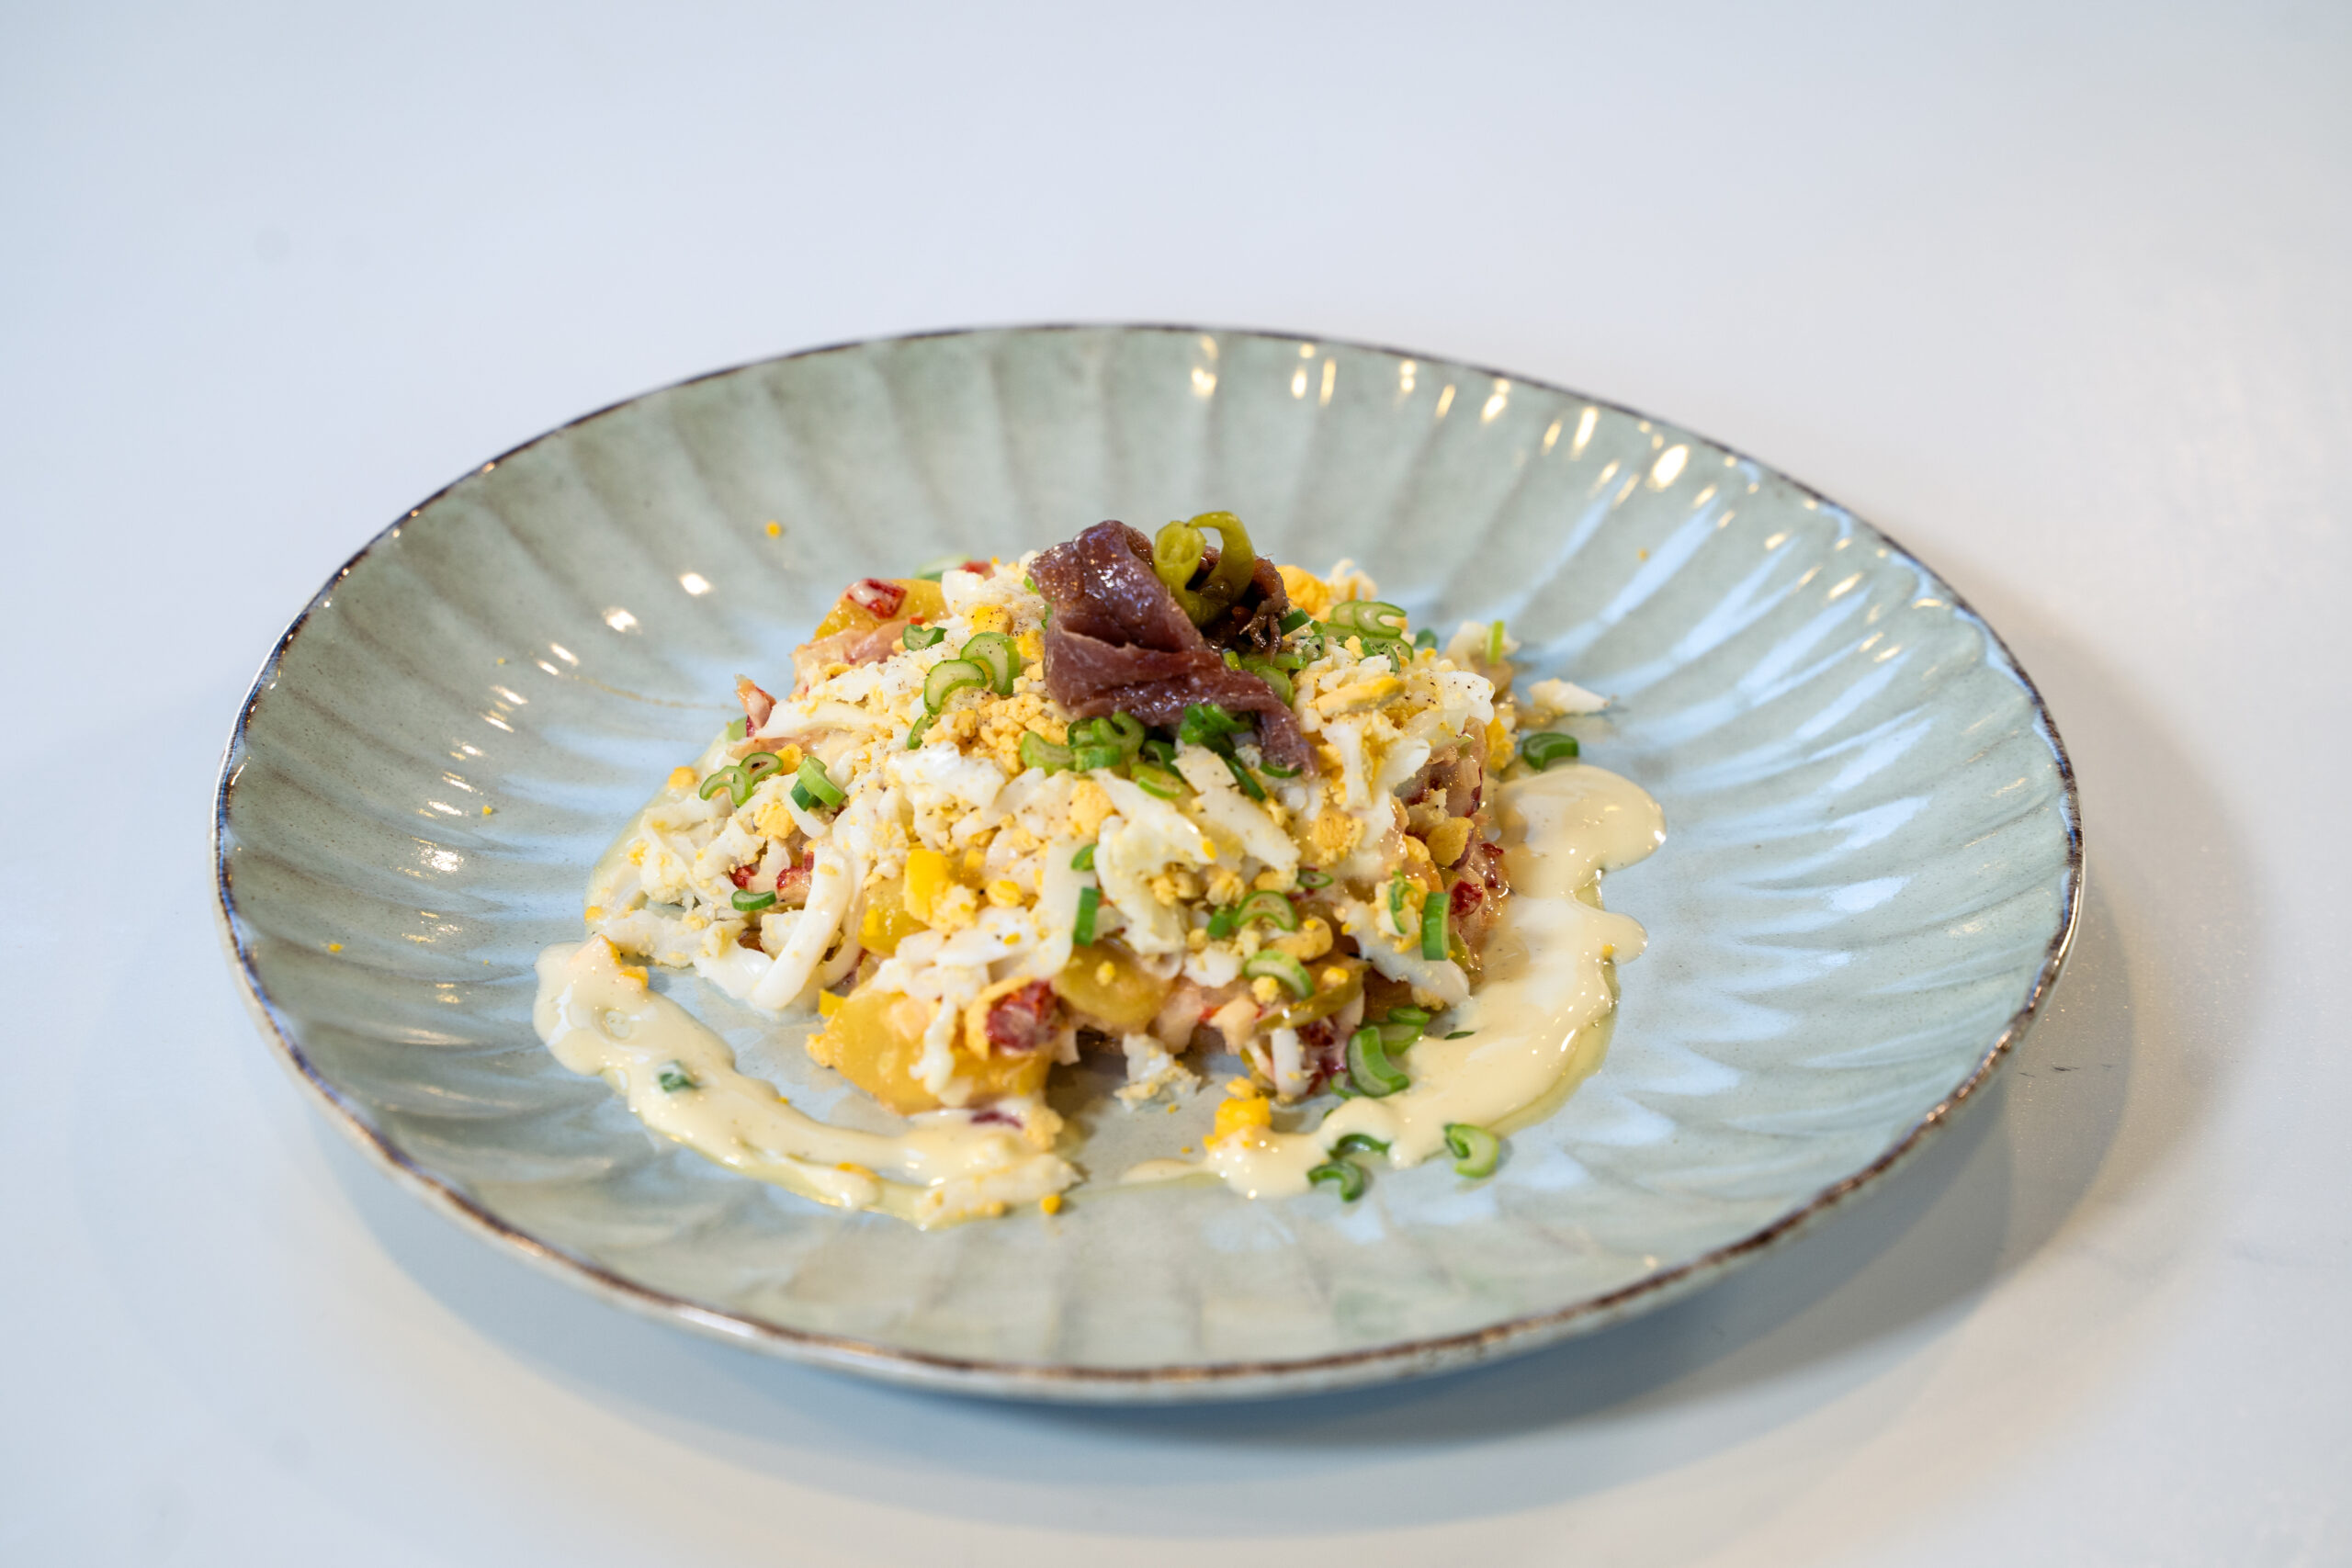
1871	872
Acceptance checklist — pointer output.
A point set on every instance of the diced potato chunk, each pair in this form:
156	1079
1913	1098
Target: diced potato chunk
1104	982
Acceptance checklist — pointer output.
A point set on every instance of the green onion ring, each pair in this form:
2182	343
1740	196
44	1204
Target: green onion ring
1347	1176
1545	746
1283	968
1475	1149
1369	1068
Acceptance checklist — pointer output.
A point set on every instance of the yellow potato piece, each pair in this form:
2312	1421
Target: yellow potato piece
874	1040
1128	999
888	921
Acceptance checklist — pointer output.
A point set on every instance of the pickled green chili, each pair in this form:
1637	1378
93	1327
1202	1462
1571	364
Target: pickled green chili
1545	746
1475	1149
1179	549
1090	899
1347	1177
1369	1068
1282	968
753	903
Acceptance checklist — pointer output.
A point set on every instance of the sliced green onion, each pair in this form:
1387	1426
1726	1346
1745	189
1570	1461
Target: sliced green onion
1396	1036
934	570
1347	1177
1343	1089
1089	900
1417	1017
812	778
1359	1143
740	727
731	779
1206	723
918	638
1232	660
1224	923
1037	751
1086	759
1296	619
1310	877
801	798
1425	638
1153	779
1495	643
1083	859
948	677
995	652
1462	1034
1274	770
1369	1068
1433	927
1475	1149
1245	778
1265	670
1158	750
1373	617
760	765
1268	905
753	903
674	1079
1545	746
1398	887
917	730
1282	967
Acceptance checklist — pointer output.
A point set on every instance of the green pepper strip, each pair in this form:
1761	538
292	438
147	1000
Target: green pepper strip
1281	967
753	903
1545	746
1268	905
1359	1143
1349	1178
812	778
1433	945
1369	1068
1474	1148
1089	900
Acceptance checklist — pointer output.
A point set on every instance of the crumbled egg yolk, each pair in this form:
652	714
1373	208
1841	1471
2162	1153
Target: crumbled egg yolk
1245	1112
1051	1204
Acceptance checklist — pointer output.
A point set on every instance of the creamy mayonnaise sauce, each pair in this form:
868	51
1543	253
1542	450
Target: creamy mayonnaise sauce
1536	1019
601	1019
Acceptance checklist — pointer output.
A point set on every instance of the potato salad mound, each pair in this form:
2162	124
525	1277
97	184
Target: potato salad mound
1149	795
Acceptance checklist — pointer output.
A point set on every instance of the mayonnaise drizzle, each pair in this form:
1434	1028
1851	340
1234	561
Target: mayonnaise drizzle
601	1020
1534	1017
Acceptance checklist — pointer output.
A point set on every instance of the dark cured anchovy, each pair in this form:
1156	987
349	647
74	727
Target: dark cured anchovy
1119	643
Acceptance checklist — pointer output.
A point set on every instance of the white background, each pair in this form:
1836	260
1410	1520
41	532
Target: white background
2059	296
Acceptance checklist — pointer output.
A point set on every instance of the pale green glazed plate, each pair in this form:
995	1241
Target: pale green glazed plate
1873	869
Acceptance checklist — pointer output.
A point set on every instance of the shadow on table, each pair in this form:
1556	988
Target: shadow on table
1795	1331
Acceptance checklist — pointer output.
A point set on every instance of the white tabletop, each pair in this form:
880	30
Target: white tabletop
2060	300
